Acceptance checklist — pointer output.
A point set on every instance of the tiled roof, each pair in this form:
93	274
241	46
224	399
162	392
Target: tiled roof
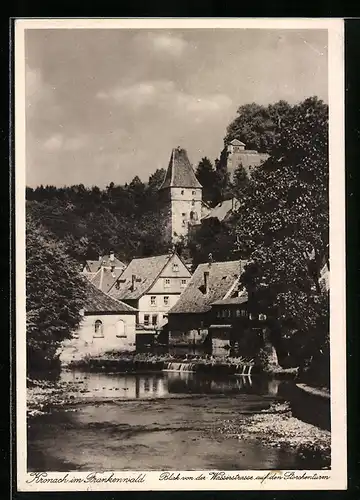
105	261
94	265
222	276
105	278
180	172
223	209
146	271
236	142
99	302
241	299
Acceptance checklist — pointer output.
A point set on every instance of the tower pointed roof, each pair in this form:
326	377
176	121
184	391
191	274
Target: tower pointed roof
180	172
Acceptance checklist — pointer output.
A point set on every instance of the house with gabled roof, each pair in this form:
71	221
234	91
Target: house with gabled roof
152	285
105	277
104	271
107	323
190	317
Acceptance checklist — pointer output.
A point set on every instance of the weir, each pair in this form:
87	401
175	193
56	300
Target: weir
179	367
242	369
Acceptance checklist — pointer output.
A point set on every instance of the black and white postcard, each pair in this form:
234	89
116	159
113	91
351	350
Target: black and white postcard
180	254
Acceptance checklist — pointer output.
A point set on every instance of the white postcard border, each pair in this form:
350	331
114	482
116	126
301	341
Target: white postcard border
285	480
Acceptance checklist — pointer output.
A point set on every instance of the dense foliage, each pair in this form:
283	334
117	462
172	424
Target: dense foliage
54	296
282	228
90	221
258	126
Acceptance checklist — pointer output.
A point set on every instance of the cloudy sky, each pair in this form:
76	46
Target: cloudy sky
106	105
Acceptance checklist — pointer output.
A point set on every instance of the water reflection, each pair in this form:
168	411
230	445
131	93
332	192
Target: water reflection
161	385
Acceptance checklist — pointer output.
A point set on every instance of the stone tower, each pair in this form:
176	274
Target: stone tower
237	154
181	196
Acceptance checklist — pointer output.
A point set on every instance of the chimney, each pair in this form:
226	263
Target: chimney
206	282
112	257
100	258
133	279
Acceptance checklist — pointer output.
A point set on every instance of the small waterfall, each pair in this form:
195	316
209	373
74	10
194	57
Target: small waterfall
179	367
244	369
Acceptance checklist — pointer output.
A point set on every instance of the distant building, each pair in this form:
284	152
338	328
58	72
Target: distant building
181	196
104	271
221	212
152	285
237	155
189	319
107	323
234	328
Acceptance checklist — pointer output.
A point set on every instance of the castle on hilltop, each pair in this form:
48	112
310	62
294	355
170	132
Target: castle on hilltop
237	155
181	197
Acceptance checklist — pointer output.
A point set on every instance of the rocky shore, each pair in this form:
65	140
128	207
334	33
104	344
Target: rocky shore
279	429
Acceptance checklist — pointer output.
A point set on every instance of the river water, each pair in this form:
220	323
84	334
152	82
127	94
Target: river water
159	421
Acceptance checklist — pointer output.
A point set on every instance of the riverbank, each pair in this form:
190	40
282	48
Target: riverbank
278	428
131	362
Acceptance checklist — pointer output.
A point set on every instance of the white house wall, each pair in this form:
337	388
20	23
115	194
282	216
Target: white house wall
118	331
160	309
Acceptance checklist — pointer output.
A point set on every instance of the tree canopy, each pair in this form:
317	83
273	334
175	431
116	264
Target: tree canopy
257	125
55	293
93	221
282	227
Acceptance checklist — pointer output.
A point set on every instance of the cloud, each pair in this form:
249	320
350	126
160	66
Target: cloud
58	142
139	94
53	143
162	43
163	94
